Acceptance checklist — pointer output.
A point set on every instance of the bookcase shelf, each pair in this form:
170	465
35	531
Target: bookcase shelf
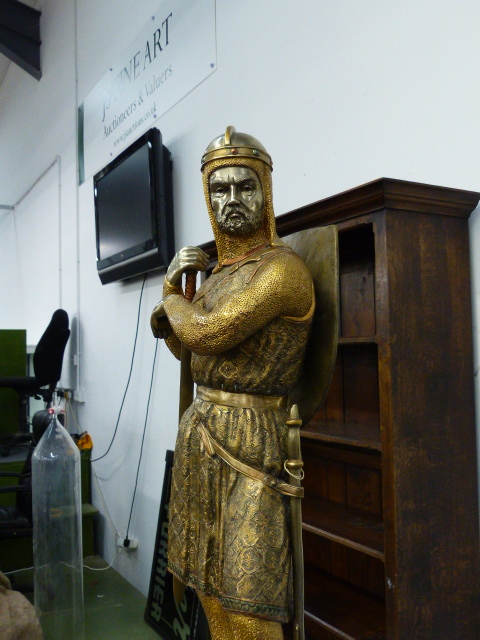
358	340
363	436
390	515
347	525
336	607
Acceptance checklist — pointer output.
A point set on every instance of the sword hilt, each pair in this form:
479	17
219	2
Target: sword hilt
294	464
190	284
294	419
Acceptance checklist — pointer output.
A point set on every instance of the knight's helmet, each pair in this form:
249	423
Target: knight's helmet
233	144
234	148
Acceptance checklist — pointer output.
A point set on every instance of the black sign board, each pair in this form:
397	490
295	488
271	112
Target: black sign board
185	621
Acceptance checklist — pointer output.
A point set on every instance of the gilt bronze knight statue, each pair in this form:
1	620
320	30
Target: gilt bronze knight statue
234	479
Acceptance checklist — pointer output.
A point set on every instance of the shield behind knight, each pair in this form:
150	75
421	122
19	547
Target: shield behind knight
318	248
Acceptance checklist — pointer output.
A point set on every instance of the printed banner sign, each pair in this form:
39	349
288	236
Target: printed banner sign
186	620
174	52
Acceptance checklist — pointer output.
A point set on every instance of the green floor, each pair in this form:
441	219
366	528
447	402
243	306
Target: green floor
113	608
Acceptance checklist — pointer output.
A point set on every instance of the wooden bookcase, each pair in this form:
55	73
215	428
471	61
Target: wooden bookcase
391	538
391	519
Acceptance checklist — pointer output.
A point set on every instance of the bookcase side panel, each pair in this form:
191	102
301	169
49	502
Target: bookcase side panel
432	431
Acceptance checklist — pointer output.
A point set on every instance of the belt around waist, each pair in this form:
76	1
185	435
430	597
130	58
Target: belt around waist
241	400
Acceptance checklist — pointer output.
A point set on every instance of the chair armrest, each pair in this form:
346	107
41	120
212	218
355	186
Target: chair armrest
18	488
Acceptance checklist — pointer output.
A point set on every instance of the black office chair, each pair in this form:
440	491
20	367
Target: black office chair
47	367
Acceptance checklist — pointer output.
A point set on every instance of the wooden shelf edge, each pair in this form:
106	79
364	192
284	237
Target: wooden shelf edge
384	193
321	623
343	433
347	525
325	625
346	542
358	340
344	610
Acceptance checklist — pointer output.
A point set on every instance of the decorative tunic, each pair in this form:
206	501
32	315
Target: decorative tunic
229	534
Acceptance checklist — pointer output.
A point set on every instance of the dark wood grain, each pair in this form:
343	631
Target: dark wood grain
315	631
345	524
352	565
433	436
346	611
364	436
317	450
357	267
352	340
377	196
332	409
426	425
353	396
360	384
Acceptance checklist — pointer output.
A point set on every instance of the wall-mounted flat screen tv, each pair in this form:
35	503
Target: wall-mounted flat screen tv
134	210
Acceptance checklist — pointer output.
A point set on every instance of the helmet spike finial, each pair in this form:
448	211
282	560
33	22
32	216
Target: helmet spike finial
228	134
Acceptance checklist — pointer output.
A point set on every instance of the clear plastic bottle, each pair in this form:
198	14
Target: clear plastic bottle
57	534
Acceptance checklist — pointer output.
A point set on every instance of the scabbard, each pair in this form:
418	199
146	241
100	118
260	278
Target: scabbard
294	467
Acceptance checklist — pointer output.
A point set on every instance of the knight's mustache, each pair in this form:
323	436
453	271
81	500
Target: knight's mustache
236	208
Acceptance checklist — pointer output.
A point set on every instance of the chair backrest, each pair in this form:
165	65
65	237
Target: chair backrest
48	356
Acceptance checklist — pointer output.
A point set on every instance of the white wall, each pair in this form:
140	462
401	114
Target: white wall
340	93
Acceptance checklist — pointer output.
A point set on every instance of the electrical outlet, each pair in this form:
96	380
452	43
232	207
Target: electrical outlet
131	544
79	395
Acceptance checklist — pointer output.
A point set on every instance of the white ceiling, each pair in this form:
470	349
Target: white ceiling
4	61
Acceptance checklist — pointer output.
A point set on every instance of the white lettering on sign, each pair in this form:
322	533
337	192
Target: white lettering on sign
173	53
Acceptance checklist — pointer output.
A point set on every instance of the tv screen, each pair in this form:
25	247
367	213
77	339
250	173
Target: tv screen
133	210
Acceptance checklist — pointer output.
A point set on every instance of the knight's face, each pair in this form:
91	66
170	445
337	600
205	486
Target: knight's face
237	200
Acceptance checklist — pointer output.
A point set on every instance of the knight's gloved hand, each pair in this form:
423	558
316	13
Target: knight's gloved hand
159	322
188	258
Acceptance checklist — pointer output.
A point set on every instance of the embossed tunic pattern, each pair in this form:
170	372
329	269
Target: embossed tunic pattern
241	556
